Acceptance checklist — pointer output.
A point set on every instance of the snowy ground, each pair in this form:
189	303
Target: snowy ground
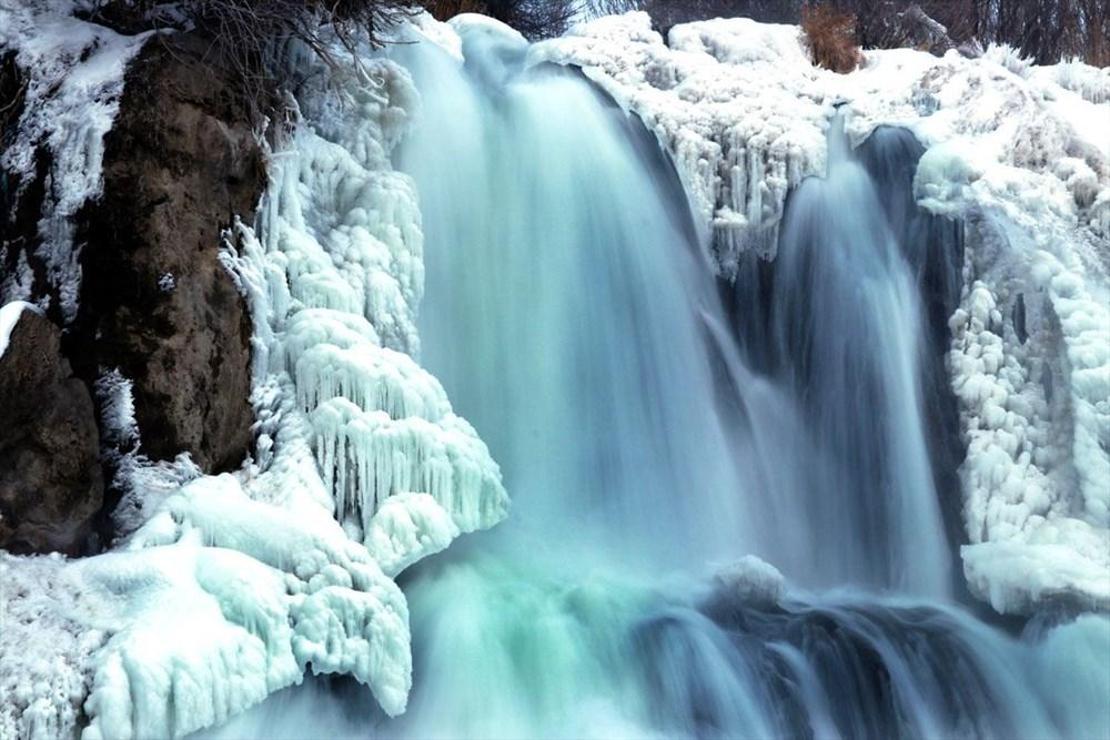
1020	153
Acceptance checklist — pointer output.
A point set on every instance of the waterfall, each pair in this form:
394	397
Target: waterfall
837	325
563	308
650	437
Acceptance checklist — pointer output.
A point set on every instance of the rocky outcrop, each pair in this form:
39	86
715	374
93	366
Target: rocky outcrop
180	163
50	479
154	303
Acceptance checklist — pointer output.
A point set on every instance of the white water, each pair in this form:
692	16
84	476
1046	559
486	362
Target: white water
571	319
842	338
563	310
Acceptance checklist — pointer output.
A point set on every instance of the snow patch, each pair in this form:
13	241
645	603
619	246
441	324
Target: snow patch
9	317
751	581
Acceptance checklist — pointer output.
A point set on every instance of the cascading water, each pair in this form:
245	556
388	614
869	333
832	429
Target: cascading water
572	320
563	310
838	327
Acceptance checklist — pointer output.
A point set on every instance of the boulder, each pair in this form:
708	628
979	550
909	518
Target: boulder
50	478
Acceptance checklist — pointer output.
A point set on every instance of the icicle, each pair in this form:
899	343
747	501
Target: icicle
392	456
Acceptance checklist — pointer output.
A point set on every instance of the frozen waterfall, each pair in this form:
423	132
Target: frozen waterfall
727	513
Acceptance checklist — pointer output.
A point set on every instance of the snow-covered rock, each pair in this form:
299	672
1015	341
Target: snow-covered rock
1020	153
750	581
228	588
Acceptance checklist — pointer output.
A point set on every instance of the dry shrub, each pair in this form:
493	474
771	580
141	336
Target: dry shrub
830	35
246	38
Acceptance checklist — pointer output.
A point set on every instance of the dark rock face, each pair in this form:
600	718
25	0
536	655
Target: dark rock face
50	478
179	164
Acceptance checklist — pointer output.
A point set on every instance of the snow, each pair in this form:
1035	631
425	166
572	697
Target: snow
9	317
223	589
438	33
74	81
1019	153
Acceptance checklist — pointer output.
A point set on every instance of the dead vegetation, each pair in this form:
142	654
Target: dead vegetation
830	36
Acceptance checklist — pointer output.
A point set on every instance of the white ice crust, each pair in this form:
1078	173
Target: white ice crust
227	588
1020	153
10	314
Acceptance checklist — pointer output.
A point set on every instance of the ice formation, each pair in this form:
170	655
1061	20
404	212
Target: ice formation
256	595
224	589
361	468
75	79
338	274
1020	154
735	103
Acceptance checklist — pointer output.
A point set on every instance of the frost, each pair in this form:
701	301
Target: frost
1091	83
45	653
115	398
144	485
1009	58
75	79
18	284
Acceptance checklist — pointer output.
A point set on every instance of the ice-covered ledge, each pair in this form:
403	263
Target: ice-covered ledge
1020	154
